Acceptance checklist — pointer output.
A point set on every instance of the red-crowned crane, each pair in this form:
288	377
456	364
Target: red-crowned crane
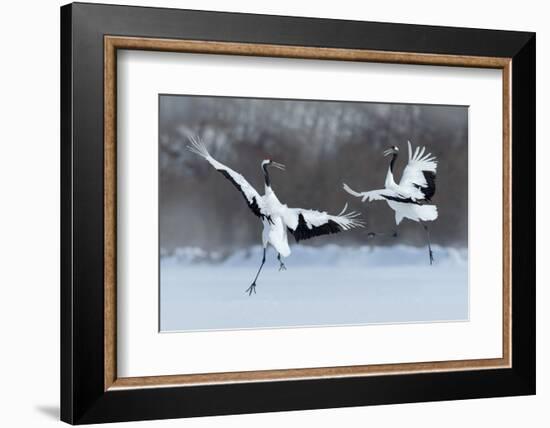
276	217
408	198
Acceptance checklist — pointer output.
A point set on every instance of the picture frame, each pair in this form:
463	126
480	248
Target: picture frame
91	390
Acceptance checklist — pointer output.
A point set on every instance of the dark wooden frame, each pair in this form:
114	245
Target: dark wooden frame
90	35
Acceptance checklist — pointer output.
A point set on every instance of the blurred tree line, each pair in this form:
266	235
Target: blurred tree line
322	145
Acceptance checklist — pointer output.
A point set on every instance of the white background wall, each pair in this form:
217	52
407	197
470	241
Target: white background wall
29	213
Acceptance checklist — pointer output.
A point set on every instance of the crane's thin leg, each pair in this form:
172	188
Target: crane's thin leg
281	264
429	246
252	288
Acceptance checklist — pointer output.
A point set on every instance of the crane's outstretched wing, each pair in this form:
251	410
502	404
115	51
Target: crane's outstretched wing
251	196
381	195
420	172
305	224
373	195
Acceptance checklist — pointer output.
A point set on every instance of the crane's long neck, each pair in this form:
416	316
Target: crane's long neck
390	182
266	176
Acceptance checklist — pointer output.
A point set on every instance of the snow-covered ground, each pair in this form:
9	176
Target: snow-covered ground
328	285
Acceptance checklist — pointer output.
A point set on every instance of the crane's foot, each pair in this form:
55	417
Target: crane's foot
251	289
393	234
281	264
431	257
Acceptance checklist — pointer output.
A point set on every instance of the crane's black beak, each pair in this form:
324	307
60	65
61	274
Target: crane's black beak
278	165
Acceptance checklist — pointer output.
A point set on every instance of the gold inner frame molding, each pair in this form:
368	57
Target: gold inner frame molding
113	43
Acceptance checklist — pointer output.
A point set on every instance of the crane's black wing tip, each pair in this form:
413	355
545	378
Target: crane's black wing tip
429	189
303	232
253	204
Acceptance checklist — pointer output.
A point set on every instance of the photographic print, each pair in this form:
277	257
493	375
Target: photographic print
300	213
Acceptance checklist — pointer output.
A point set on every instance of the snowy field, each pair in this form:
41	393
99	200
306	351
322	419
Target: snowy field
327	285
